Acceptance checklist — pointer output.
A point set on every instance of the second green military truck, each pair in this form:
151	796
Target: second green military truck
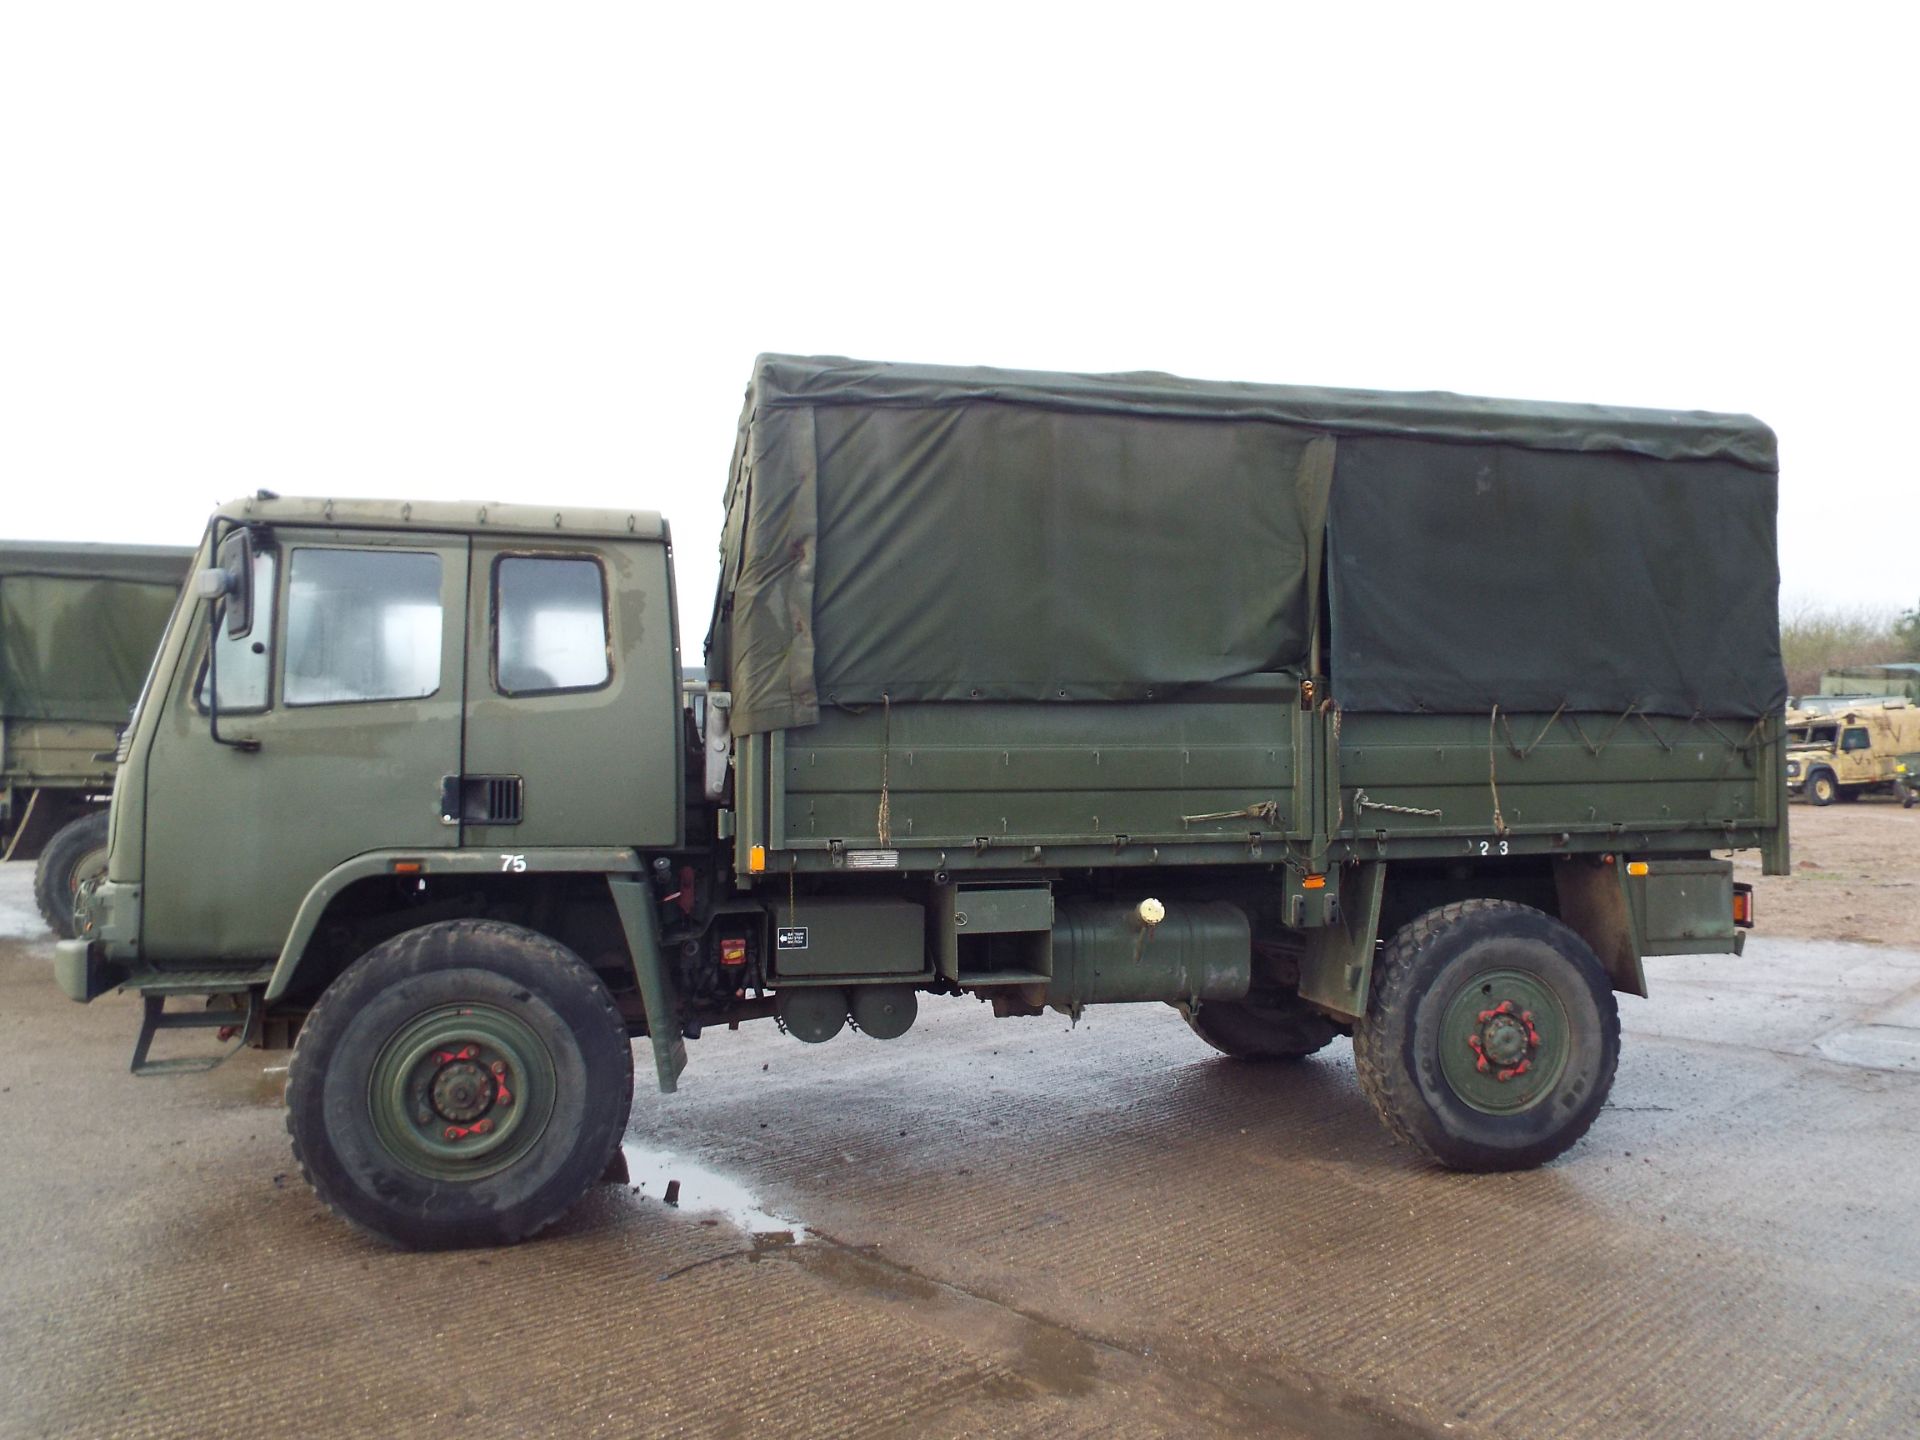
1418	718
78	627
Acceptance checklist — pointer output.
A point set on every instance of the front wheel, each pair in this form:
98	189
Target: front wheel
461	1084
1822	789
76	854
1491	1036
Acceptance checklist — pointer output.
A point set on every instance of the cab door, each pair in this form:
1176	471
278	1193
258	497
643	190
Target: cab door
573	705
347	699
1858	763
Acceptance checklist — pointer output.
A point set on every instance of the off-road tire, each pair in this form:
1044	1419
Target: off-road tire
77	850
1822	789
438	968
1286	1030
1429	966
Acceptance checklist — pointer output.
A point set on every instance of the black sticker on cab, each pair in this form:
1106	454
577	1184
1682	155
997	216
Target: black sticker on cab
790	937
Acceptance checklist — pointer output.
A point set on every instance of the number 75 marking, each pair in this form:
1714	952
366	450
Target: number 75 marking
515	863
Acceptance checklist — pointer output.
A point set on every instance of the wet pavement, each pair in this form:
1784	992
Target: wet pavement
1007	1228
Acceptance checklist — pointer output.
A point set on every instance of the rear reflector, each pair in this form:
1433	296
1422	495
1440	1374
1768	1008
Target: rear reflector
1743	906
733	952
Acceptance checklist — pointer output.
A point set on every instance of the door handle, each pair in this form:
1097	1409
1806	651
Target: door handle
481	799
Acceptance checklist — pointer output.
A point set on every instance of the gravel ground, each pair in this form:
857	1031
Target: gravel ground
1856	875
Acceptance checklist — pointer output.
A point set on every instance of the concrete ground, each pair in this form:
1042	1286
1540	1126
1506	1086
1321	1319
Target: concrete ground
1007	1228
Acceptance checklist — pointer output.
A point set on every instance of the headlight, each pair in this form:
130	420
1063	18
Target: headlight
1793	767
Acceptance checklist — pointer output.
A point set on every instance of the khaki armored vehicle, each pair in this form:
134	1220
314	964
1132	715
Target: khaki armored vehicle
1857	751
78	627
1307	713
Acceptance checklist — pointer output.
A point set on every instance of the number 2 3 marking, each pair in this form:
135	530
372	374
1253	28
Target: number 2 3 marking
1493	847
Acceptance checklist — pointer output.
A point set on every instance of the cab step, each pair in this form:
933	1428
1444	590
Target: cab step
155	986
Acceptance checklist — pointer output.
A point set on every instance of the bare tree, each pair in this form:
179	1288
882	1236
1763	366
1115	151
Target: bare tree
1816	637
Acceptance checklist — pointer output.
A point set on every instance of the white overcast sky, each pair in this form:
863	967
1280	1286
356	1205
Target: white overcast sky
529	251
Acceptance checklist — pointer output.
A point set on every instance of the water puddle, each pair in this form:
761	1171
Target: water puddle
667	1178
1874	1047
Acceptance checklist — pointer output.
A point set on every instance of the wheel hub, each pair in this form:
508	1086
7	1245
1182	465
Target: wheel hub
1504	1040
461	1092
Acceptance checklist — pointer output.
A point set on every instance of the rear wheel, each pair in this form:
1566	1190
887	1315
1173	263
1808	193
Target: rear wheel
1821	788
461	1084
76	853
1284	1028
1491	1036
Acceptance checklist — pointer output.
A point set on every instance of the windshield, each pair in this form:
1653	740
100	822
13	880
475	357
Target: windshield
200	561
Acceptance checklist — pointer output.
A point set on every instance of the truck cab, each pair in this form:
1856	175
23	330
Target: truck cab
444	689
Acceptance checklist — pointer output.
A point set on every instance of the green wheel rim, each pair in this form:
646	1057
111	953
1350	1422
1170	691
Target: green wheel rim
461	1092
1504	1041
90	864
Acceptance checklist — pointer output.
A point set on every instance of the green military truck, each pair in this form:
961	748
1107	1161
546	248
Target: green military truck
78	627
1306	712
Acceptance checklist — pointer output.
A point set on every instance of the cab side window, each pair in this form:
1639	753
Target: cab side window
362	625
549	625
244	665
1856	739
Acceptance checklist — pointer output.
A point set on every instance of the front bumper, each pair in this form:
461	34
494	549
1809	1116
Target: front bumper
82	973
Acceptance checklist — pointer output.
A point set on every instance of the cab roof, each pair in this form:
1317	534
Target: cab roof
465	517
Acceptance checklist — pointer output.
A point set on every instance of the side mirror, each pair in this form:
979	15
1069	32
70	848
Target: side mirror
235	563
